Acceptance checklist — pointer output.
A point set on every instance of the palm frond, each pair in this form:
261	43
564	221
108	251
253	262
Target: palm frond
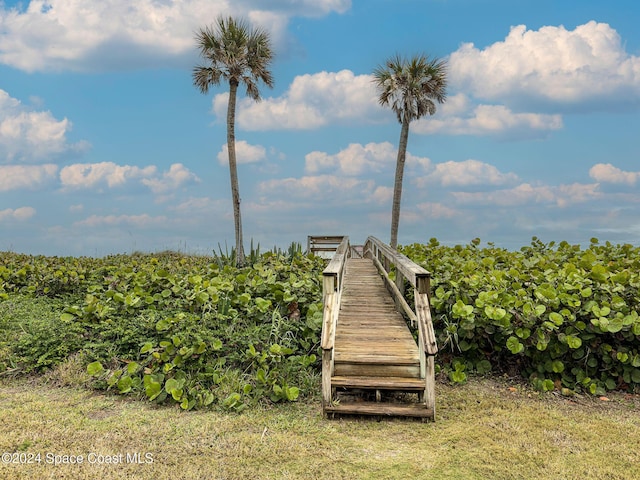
234	52
411	86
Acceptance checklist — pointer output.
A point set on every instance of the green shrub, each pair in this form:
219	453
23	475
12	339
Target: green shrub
560	315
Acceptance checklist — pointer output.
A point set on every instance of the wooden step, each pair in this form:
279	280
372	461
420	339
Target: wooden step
417	410
375	370
389	357
401	384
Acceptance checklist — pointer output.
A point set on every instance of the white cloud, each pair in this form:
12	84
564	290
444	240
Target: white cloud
607	173
468	172
22	213
177	177
527	194
245	153
98	176
356	159
88	35
103	174
31	136
553	64
312	101
460	117
15	177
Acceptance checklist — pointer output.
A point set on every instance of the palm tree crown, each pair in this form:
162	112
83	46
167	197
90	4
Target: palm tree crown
237	53
411	87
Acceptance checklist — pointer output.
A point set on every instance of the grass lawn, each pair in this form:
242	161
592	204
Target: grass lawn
486	429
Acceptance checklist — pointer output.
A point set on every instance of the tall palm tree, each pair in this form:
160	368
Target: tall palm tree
410	87
239	54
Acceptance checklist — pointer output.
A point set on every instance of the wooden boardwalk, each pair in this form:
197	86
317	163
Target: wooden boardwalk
371	356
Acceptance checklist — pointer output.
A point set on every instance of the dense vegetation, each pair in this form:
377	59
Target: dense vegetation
197	331
565	317
193	330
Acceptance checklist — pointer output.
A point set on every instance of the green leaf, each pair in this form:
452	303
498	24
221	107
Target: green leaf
556	318
495	313
573	341
599	273
483	367
67	317
132	367
292	393
124	384
146	348
262	304
152	389
163	325
514	345
95	369
586	292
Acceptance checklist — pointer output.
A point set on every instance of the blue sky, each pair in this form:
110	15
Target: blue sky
106	146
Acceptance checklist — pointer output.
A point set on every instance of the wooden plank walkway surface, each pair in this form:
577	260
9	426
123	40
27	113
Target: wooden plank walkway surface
374	349
372	337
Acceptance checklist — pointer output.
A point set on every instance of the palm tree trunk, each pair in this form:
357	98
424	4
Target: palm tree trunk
397	185
233	171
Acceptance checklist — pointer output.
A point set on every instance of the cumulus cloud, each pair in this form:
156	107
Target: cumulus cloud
527	194
177	177
353	160
113	34
27	135
103	174
245	153
607	173
468	172
358	159
15	177
586	65
20	214
98	176
458	116
312	101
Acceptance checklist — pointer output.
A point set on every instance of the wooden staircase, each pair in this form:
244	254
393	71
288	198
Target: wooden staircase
371	363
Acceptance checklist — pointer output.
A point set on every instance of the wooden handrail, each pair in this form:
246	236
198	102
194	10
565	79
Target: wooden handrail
332	278
384	256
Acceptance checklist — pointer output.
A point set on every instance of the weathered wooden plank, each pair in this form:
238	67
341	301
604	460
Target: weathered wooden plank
376	370
416	410
385	358
382	383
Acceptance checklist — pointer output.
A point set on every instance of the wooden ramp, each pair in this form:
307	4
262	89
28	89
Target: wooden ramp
372	365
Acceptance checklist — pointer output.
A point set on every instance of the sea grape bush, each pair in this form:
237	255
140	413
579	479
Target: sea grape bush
563	316
183	329
197	331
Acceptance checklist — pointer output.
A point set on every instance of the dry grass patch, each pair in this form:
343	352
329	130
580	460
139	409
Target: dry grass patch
484	430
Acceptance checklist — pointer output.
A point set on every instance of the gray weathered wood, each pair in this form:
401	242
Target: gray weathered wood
366	342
